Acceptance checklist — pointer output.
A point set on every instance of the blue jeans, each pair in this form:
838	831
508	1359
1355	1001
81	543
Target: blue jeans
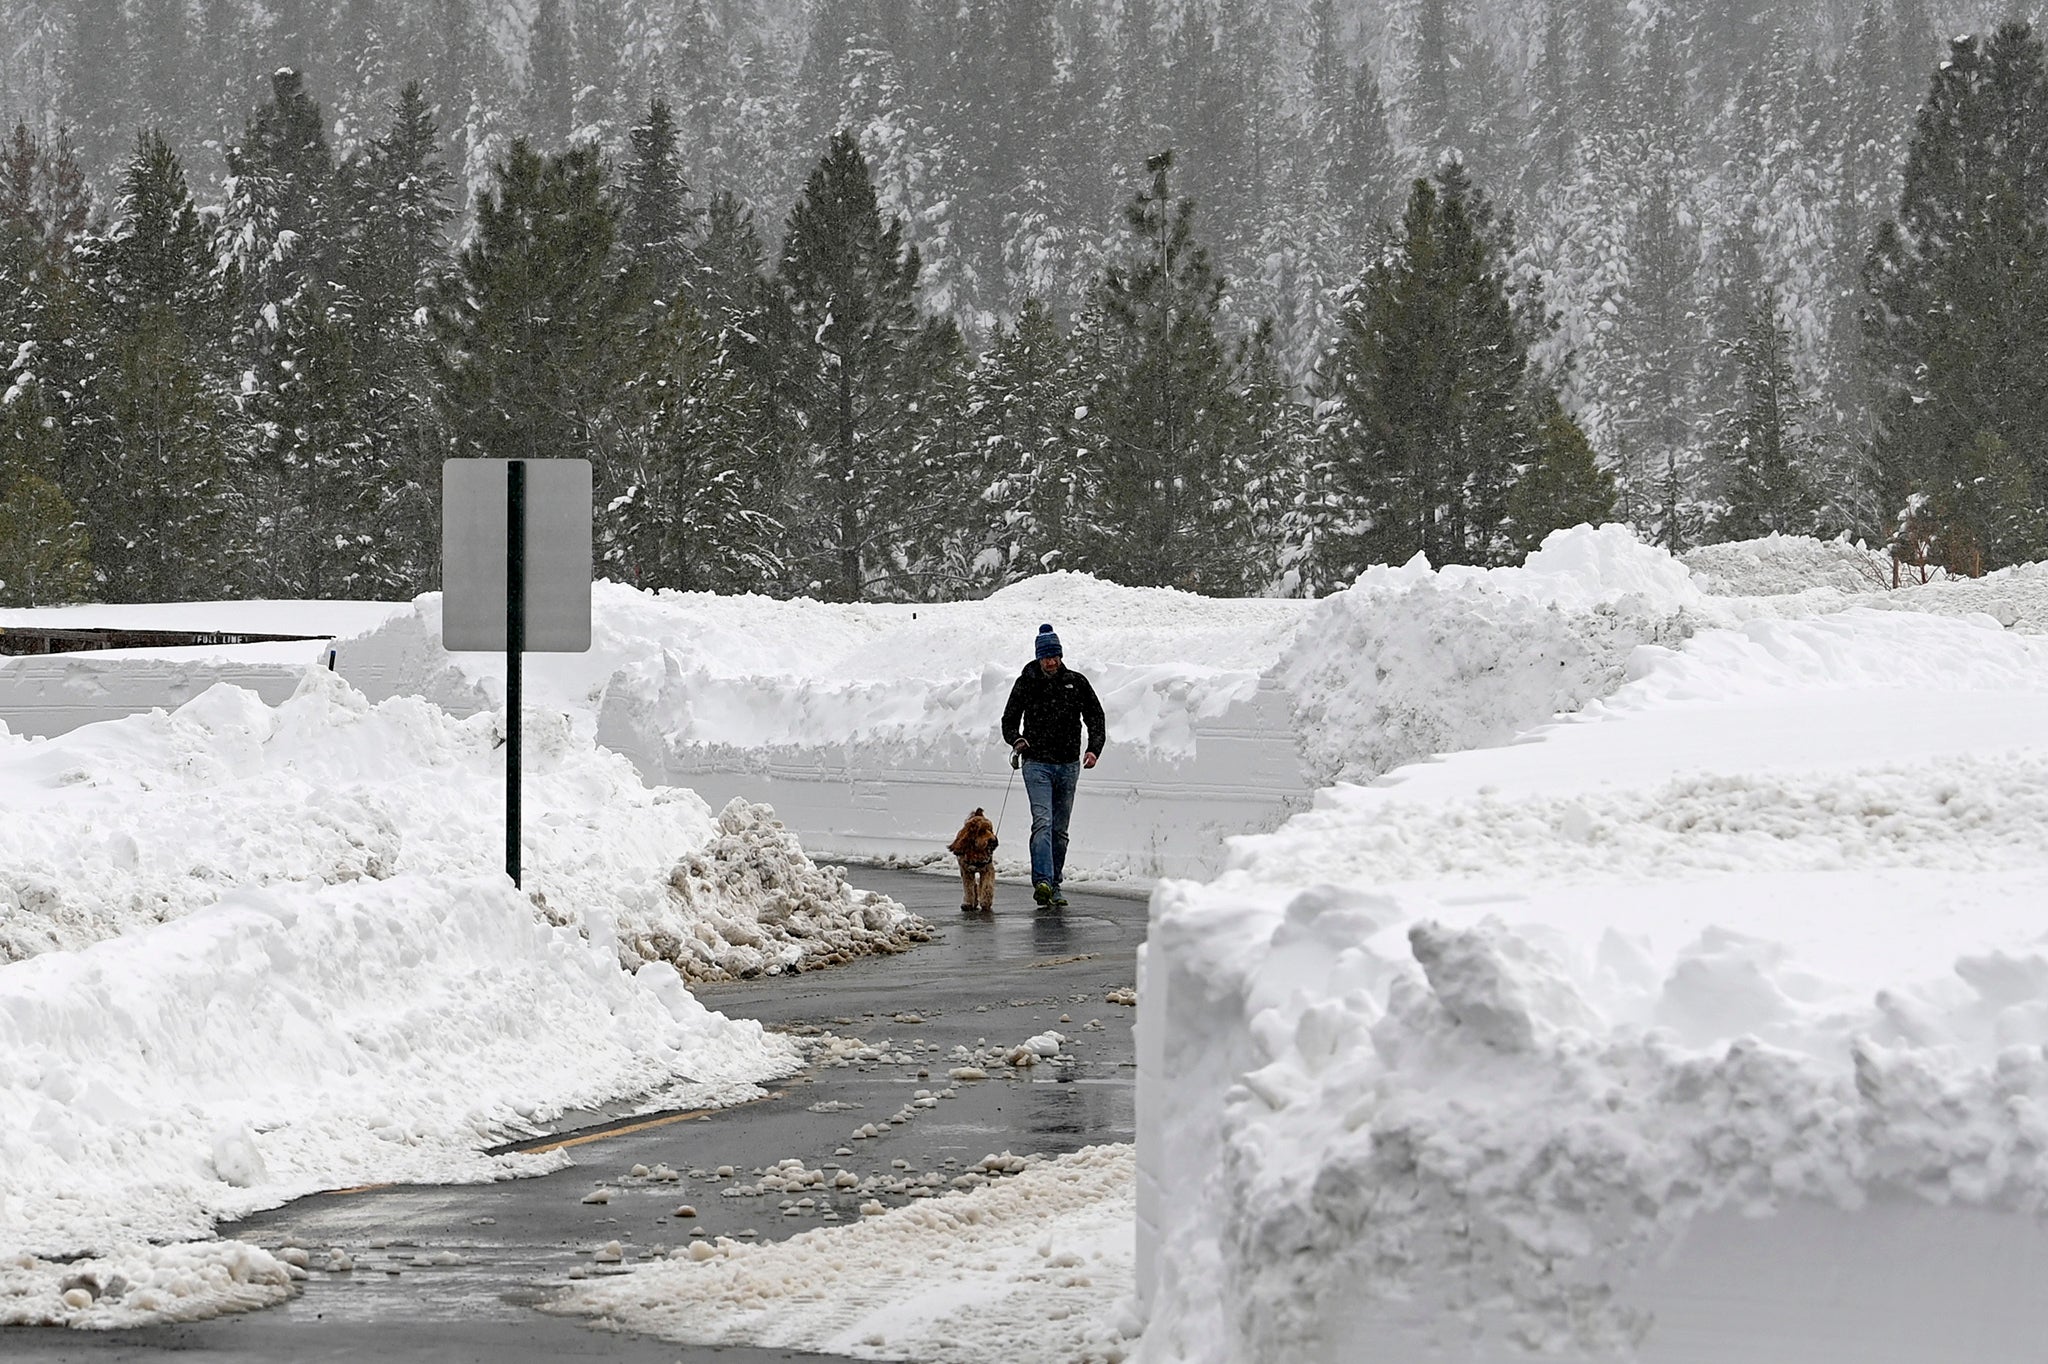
1050	788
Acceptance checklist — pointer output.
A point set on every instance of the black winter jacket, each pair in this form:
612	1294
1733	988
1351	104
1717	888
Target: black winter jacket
1050	711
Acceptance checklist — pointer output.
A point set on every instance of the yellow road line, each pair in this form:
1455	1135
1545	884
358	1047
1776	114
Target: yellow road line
585	1138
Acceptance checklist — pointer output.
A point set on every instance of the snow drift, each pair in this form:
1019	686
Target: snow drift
1511	1051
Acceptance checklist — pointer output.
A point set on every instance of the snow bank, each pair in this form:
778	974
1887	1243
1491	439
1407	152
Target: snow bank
143	820
1793	575
1785	565
874	729
1468	1060
306	1036
1032	1270
760	674
1408	662
253	952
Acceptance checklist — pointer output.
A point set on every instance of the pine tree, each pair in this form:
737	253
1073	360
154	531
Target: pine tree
1427	418
1273	449
657	225
850	284
161	507
167	508
1960	289
693	510
1161	410
395	255
535	324
1024	402
1367	169
1565	485
1763	442
280	254
46	333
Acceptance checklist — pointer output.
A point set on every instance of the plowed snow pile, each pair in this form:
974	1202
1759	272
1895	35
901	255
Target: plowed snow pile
140	821
1590	1044
756	674
1032	1270
253	952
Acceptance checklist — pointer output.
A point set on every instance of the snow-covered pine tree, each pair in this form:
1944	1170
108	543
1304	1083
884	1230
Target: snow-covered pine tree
1764	446
1656	397
1274	452
44	547
278	255
1026	405
850	284
394	256
1425	403
534	326
1959	310
692	513
938	538
658	224
162	507
1160	413
46	338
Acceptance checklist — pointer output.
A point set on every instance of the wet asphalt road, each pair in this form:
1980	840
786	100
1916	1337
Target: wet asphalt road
986	981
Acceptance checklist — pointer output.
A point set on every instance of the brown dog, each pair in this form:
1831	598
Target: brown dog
975	846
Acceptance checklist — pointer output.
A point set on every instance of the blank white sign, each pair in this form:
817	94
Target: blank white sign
557	555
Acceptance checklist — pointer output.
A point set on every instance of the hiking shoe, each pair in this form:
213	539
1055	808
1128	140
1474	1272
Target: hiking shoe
1058	901
1043	892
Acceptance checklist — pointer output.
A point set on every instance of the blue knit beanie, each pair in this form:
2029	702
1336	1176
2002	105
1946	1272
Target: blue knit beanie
1048	645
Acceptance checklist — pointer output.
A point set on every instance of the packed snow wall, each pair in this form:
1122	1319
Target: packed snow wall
874	729
1705	1022
1142	814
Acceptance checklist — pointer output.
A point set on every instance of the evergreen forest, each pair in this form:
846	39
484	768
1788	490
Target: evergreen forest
909	299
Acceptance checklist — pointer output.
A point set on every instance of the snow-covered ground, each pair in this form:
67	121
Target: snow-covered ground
1704	1023
1659	970
249	951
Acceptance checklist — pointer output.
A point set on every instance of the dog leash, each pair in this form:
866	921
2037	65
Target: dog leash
1016	761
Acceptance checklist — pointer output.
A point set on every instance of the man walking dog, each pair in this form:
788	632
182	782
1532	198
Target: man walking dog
1049	707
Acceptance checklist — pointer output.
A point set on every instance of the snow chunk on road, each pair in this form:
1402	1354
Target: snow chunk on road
141	1286
1034	1270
